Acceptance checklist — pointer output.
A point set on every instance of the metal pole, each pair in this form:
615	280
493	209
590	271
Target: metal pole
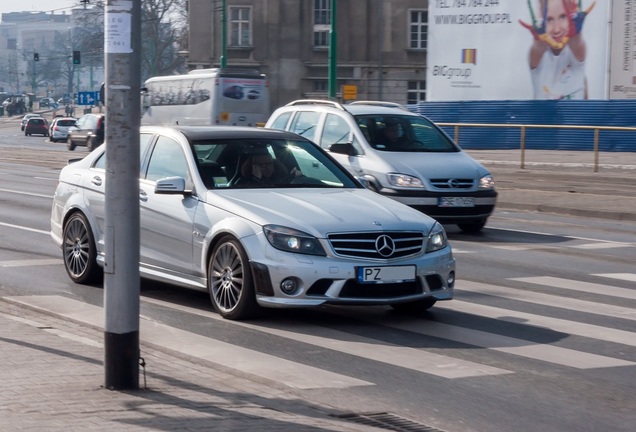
333	38
224	35
121	268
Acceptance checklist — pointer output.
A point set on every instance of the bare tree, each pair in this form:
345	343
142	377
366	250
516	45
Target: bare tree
162	28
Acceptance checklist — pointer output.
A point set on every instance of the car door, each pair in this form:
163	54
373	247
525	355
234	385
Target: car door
94	187
166	231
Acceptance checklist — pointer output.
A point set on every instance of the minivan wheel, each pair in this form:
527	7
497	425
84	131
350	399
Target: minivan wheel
472	227
230	281
79	250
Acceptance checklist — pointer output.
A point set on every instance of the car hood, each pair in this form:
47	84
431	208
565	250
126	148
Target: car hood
321	211
435	165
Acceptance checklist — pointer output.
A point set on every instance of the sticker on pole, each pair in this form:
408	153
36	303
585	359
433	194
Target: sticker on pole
117	33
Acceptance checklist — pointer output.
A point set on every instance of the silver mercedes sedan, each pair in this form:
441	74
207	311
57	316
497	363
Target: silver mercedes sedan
257	218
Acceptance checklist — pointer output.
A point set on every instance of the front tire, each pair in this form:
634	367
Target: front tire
70	144
230	281
79	250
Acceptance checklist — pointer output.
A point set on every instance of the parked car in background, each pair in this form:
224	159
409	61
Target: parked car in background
26	118
402	155
46	102
88	131
301	239
58	130
36	126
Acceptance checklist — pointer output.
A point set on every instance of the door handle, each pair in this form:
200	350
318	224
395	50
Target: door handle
143	196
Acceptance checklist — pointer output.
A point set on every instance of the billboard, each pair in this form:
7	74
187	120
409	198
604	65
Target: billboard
623	52
507	50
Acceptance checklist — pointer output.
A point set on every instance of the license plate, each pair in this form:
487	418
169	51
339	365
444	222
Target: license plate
378	275
456	202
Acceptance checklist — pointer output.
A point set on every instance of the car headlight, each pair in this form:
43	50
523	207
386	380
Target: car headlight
436	239
403	180
487	182
291	240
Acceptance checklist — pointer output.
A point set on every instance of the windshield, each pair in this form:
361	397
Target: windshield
404	133
267	163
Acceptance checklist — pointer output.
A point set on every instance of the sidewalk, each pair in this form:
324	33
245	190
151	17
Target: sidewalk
52	379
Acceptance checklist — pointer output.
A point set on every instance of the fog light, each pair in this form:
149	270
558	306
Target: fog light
289	286
450	281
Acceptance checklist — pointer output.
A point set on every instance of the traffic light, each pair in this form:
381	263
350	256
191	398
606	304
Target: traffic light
76	57
36	57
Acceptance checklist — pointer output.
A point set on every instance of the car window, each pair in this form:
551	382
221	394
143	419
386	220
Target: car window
167	160
281	121
229	163
402	133
144	140
335	130
304	124
65	122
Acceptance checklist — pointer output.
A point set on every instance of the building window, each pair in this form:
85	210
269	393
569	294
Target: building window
418	29
240	26
416	92
322	22
321	85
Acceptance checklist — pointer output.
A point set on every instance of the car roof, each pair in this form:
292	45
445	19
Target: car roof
195	133
354	108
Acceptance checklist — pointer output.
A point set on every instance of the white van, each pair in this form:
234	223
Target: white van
402	155
206	97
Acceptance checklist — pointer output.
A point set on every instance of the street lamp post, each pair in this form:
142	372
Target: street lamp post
332	53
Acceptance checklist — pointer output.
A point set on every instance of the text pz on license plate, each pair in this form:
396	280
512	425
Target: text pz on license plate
395	274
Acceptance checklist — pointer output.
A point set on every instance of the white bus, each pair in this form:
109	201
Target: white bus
231	97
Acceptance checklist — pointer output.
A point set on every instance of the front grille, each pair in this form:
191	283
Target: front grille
354	290
377	245
446	183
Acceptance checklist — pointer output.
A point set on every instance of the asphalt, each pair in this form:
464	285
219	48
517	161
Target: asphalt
52	375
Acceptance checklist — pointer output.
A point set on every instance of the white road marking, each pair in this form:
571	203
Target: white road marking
518	347
605	334
245	360
580	286
603	245
30	262
550	300
406	357
27	193
24	228
630	277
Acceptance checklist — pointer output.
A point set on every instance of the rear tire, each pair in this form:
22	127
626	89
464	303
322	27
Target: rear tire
230	281
79	250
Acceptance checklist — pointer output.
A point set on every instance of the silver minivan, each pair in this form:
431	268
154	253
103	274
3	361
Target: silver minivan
400	154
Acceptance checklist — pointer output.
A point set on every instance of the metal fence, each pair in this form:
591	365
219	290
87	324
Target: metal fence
523	128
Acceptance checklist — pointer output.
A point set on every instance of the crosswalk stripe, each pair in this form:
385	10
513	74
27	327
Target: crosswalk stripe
231	356
555	324
550	300
519	347
30	262
580	286
630	277
601	245
406	357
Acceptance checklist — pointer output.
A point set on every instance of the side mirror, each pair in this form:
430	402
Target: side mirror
343	148
170	186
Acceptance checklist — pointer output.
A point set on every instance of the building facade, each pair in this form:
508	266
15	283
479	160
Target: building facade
36	54
380	51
